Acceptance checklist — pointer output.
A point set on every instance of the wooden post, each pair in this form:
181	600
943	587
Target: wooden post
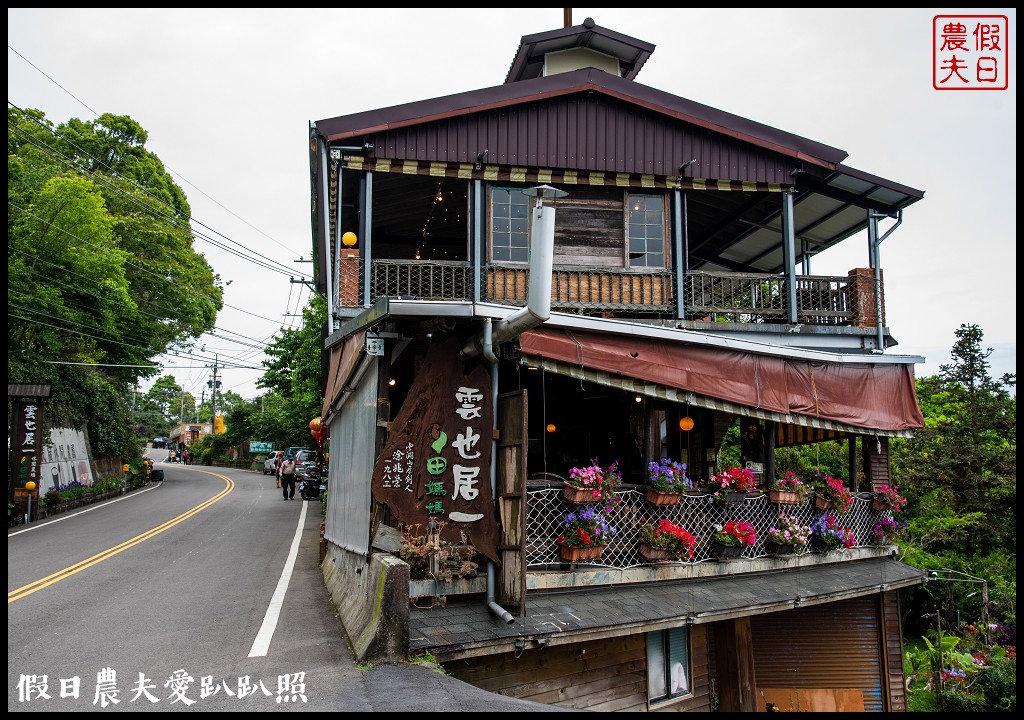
984	610
734	663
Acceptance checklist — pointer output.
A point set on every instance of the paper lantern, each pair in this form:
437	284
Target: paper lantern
686	423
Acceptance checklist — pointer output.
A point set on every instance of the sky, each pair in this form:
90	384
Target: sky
226	97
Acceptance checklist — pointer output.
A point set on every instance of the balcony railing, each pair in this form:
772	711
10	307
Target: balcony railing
761	298
699	515
708	296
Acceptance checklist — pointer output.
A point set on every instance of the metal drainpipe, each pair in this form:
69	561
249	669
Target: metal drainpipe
877	261
538	306
488	351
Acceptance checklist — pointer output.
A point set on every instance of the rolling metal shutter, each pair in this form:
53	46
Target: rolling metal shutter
832	645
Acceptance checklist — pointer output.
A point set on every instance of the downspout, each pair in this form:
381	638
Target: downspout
538	306
537	311
488	351
876	261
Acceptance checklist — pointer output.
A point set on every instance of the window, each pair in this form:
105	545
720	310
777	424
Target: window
510	225
646	230
668	664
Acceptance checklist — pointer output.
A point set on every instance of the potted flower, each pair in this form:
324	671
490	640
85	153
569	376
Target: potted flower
430	555
788	489
731	486
592	484
666	482
834	495
732	539
787	536
585	534
664	540
887	531
827	535
887	497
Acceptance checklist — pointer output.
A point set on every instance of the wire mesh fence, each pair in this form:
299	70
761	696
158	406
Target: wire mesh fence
700	515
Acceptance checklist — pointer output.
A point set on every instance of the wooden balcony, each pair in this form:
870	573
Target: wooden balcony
711	297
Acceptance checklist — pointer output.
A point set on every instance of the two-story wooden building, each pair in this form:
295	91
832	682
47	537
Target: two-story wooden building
572	266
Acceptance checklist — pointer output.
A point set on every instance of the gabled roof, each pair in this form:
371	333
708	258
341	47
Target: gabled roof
356	126
529	60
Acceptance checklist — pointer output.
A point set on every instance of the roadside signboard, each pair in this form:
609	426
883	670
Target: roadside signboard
257	446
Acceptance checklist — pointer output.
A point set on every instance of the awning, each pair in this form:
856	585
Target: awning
866	398
572	615
344	358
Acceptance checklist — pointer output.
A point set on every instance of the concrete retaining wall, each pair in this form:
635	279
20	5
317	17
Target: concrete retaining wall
372	597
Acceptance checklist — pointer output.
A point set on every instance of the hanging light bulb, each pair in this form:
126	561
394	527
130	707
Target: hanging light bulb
551	427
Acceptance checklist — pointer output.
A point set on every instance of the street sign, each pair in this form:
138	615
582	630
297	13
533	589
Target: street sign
257	446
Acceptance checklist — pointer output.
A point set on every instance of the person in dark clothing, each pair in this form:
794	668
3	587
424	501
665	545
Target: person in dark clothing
288	478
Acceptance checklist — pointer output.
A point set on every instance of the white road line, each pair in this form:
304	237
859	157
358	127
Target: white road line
262	642
72	514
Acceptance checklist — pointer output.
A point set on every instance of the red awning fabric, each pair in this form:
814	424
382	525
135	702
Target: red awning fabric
867	395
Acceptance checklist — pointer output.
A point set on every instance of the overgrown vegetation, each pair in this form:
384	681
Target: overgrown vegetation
102	275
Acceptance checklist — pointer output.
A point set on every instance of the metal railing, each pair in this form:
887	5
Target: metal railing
761	298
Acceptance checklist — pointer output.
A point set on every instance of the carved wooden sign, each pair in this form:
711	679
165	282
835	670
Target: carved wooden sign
436	464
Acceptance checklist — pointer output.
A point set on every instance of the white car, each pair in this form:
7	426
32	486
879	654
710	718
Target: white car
270	465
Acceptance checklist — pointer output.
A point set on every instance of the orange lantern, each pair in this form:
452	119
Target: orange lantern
686	423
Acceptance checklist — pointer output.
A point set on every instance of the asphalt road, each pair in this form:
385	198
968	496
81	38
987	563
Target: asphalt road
198	593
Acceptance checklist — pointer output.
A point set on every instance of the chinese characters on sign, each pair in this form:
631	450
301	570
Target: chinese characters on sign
177	688
970	52
435	468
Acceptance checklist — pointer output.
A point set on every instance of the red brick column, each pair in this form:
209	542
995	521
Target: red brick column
348	278
862	294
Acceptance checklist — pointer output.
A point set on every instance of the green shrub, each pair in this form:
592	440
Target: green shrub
957	701
998	682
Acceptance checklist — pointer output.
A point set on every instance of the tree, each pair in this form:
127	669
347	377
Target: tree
293	379
102	276
959	474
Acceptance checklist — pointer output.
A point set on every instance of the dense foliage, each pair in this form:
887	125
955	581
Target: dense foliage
102	275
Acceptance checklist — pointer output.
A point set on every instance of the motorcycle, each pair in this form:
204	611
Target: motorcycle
313	486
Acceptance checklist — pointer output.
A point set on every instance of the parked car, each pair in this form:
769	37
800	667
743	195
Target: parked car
304	460
270	464
290	452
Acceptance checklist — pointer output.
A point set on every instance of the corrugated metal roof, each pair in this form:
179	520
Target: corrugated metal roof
564	616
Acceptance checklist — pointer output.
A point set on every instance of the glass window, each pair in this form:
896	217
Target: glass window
646	231
510	225
668	664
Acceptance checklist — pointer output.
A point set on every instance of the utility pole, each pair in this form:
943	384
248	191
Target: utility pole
213	397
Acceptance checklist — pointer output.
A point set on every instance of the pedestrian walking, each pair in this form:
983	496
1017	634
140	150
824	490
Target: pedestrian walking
288	478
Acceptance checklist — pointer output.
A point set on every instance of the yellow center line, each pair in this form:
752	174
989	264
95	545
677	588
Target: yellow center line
67	572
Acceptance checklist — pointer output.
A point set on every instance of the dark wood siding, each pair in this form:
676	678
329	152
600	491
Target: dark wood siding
585	132
608	675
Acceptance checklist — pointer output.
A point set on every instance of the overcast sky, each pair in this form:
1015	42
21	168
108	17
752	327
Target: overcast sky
226	97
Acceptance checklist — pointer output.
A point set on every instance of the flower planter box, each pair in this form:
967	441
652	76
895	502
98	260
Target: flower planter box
579	495
735	497
654	554
778	549
879	504
822	503
784	497
660	497
580	554
726	552
819	545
